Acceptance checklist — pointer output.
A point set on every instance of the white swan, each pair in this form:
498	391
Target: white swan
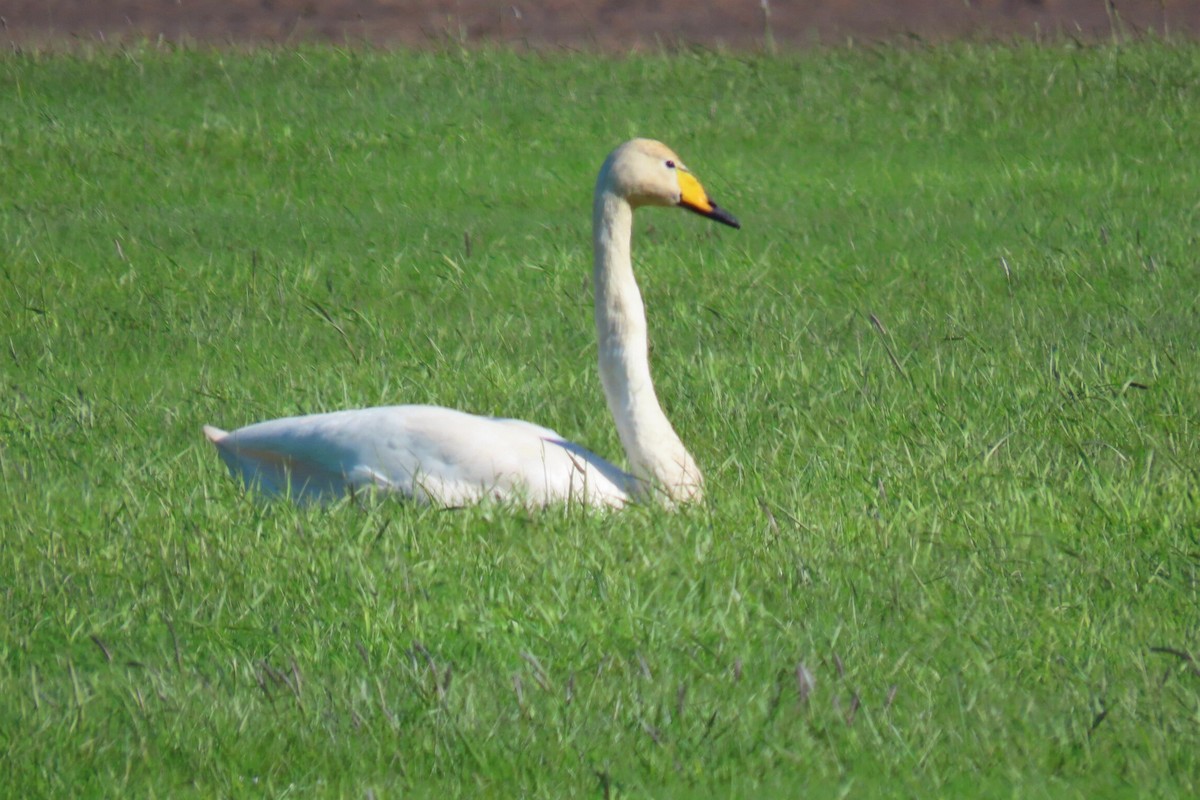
450	457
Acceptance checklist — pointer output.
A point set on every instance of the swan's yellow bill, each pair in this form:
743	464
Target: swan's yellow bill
693	197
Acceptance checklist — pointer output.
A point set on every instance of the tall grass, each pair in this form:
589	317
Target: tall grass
943	385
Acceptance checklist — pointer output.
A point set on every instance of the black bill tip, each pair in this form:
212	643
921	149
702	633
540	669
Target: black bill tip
724	217
715	213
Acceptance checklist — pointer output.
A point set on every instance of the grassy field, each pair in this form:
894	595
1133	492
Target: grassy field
945	386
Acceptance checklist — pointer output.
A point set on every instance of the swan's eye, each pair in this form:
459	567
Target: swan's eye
670	165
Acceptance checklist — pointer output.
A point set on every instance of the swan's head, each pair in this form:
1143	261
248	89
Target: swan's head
648	173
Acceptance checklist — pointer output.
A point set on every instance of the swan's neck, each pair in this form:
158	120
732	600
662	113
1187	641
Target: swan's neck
656	454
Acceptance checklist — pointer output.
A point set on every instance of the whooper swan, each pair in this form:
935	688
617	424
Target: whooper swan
451	458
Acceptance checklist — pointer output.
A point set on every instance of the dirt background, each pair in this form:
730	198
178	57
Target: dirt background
606	24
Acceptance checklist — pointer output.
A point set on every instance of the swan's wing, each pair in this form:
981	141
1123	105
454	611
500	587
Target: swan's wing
429	453
586	462
592	473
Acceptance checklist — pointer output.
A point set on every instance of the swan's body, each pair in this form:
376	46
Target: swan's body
450	457
429	453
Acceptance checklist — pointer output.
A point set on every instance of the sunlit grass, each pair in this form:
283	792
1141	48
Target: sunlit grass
943	385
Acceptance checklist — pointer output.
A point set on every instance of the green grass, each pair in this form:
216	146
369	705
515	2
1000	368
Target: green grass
944	385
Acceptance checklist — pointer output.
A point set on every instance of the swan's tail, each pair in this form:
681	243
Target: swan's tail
276	472
214	435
